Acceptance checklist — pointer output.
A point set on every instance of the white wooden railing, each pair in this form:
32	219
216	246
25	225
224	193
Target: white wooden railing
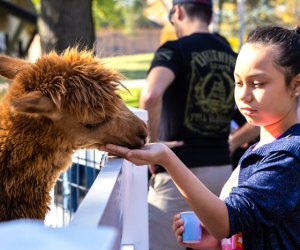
118	199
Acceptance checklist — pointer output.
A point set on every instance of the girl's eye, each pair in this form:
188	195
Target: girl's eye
257	84
239	84
91	126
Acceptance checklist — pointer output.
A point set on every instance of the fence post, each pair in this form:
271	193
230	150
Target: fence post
135	213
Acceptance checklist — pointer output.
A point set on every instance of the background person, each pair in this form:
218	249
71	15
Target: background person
189	99
242	136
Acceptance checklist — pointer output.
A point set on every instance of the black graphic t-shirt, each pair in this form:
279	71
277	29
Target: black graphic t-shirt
198	106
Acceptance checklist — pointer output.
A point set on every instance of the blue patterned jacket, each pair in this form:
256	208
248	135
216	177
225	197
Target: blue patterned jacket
265	206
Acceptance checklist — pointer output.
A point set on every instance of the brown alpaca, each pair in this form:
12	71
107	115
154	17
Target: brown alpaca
53	107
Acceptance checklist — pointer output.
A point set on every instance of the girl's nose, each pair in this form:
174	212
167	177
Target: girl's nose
244	93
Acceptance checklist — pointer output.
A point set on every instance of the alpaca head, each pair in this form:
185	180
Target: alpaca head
76	93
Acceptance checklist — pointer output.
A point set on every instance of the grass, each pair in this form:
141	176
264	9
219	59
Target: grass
132	66
132	97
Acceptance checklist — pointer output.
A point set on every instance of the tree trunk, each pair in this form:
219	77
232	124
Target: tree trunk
67	23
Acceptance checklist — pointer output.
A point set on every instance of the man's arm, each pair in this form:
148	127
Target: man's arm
243	135
158	80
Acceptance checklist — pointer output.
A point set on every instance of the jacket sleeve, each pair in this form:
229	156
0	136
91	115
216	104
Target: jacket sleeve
270	194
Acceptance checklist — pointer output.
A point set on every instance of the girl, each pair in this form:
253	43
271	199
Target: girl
260	203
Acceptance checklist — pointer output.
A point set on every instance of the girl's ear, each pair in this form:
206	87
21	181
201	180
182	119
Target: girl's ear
296	85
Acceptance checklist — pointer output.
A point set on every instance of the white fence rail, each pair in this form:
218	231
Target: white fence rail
118	198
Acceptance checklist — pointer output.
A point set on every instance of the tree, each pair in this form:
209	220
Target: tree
262	12
108	13
66	23
134	17
125	14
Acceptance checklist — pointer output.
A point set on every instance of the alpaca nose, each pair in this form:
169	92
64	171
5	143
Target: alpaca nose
139	140
143	133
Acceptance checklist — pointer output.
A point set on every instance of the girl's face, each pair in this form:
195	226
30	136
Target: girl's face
261	93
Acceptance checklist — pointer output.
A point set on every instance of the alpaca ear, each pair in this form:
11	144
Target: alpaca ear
10	66
35	103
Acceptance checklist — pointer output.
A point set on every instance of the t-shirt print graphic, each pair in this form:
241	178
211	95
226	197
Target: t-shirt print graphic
164	54
210	99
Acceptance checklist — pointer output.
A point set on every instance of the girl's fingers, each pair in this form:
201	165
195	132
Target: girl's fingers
176	217
179	231
144	156
131	155
177	224
115	150
179	239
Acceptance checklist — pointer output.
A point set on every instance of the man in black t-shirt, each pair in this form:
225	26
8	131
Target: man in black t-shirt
189	99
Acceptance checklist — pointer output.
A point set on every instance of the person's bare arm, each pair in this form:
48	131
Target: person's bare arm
209	208
158	80
243	135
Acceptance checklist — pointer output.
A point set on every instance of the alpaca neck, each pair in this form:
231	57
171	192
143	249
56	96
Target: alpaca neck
32	155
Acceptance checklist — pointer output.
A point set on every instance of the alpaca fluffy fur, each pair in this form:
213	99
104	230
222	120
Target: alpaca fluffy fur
53	107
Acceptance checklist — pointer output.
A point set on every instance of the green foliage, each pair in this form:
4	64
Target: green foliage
37	5
262	13
115	13
108	13
131	97
133	16
132	67
119	14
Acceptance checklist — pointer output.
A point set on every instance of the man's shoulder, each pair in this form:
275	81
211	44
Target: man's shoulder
167	47
170	43
205	41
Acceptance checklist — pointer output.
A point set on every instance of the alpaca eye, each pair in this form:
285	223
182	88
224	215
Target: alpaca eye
91	126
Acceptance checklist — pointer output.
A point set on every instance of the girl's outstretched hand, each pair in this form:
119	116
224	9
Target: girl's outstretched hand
207	240
170	144
153	153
